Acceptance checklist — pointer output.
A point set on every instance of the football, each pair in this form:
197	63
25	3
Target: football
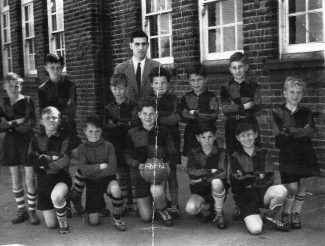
155	171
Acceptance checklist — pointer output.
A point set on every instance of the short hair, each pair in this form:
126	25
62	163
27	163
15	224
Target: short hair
159	72
146	103
238	57
198	70
50	110
54	58
293	81
93	120
13	76
118	79
244	126
138	34
205	126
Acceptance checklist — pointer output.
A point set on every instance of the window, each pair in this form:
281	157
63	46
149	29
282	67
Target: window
158	26
302	25
56	26
28	37
6	37
221	28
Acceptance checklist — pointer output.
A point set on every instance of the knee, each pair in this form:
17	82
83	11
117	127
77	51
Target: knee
191	208
292	189
217	185
282	191
157	191
93	219
147	217
115	190
51	225
57	197
255	230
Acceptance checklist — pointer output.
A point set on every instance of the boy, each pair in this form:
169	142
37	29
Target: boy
98	165
200	101
252	179
240	99
140	145
294	128
60	92
49	153
168	116
207	169
17	115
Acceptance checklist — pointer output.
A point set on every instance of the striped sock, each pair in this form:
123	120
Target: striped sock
287	205
61	212
117	207
124	191
19	197
298	203
32	197
218	201
133	194
79	182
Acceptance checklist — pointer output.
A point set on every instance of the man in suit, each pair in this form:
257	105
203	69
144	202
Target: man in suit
137	68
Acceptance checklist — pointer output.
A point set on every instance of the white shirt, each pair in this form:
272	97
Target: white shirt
135	65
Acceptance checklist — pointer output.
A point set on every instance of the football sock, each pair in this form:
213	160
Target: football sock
218	201
31	201
79	182
287	205
117	203
19	197
298	203
61	212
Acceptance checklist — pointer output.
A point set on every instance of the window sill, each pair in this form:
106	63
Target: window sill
217	66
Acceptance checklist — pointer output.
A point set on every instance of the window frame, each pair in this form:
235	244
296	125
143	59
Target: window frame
146	28
6	60
285	47
30	4
204	29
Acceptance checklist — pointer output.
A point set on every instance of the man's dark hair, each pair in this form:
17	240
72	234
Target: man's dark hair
244	126
93	120
238	57
119	79
54	58
205	126
146	103
138	34
159	72
197	70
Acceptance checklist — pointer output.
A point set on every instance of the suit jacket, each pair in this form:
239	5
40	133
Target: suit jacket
132	91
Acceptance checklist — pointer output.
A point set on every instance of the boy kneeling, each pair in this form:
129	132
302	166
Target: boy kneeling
207	169
252	179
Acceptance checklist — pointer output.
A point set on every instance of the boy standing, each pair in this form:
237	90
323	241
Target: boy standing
98	165
294	127
17	115
168	116
196	103
49	153
141	145
252	179
207	169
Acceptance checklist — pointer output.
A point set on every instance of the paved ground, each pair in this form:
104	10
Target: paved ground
186	231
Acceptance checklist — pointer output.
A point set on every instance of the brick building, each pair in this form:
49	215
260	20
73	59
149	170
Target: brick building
281	37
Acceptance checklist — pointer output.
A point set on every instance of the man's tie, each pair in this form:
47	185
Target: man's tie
138	76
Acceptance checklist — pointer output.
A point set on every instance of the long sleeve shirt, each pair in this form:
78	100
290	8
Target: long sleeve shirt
233	96
200	165
91	155
23	108
42	149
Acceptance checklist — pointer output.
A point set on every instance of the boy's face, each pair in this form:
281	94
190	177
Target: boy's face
51	121
238	70
160	85
247	138
13	88
93	133
54	70
293	95
147	116
206	139
197	82
118	91
139	48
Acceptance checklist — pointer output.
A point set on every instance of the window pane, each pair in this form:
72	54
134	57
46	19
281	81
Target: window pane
161	5
5	24
228	11
54	26
297	29
229	40
53	9
8	51
315	4
26	13
27	31
164	24
5	36
169	4
213	14
154	48
150	6
30	44
153	25
240	37
57	41
297	6
212	41
316	27
239	10
165	47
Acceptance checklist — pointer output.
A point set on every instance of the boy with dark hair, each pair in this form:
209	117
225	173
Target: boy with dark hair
207	169
168	116
49	153
98	165
140	145
198	104
294	128
17	117
252	179
240	99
